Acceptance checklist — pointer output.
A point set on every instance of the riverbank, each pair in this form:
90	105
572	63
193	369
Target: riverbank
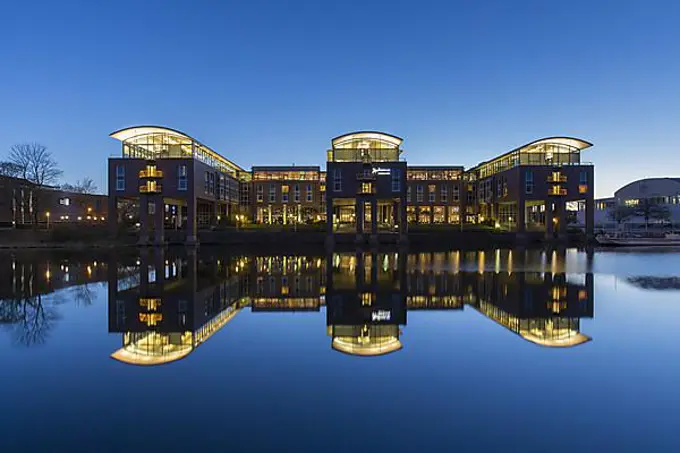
91	238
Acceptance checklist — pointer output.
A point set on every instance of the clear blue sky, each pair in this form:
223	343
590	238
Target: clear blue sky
270	82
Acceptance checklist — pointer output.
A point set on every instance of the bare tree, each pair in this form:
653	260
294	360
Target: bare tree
38	167
86	186
10	169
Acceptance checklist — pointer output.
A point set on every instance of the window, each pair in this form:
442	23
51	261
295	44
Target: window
366	187
456	193
284	194
260	193
65	201
499	187
419	194
222	188
529	182
408	194
337	180
296	193
310	194
120	177
182	177
431	192
583	177
396	180
444	194
272	193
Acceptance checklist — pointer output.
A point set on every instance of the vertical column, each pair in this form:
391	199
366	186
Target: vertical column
159	220
112	214
329	215
561	218
590	217
416	212
395	215
549	214
403	225
521	213
359	214
143	219
191	220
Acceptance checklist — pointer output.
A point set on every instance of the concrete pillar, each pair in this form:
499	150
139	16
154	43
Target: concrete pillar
561	209
113	215
395	216
416	211
329	215
549	214
359	215
159	220
521	220
143	219
191	220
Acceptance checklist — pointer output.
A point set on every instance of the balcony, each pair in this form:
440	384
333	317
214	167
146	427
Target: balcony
557	191
148	173
557	178
150	188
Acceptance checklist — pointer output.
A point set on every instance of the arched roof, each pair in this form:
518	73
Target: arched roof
369	135
136	131
574	142
139	131
651	187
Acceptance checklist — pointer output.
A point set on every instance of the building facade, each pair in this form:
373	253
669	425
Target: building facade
659	196
166	179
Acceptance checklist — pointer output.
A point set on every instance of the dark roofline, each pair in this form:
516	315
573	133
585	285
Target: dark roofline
434	167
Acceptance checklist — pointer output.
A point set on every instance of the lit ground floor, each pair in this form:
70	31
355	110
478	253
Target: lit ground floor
287	214
366	215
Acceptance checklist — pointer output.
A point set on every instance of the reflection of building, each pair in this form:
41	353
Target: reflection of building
543	308
165	308
365	302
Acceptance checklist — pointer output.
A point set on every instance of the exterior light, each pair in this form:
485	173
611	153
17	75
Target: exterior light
498	225
89	209
47	214
89	217
80	218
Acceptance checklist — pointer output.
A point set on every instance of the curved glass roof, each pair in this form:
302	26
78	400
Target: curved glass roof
575	339
346	140
572	142
375	347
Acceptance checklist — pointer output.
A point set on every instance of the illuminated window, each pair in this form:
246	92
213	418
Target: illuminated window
431	192
182	177
65	201
120	177
366	187
260	193
272	193
284	194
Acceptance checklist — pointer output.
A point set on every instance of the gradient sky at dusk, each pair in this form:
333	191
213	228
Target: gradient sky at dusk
270	82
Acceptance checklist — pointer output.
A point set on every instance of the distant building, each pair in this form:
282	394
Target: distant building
22	203
664	192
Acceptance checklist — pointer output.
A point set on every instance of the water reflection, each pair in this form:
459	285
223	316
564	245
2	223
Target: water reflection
166	304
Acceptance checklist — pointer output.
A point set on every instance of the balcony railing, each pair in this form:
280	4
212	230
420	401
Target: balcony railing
557	178
150	173
144	188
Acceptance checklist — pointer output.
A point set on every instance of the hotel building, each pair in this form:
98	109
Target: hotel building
367	189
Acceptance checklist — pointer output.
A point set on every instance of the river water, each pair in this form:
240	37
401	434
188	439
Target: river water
219	350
